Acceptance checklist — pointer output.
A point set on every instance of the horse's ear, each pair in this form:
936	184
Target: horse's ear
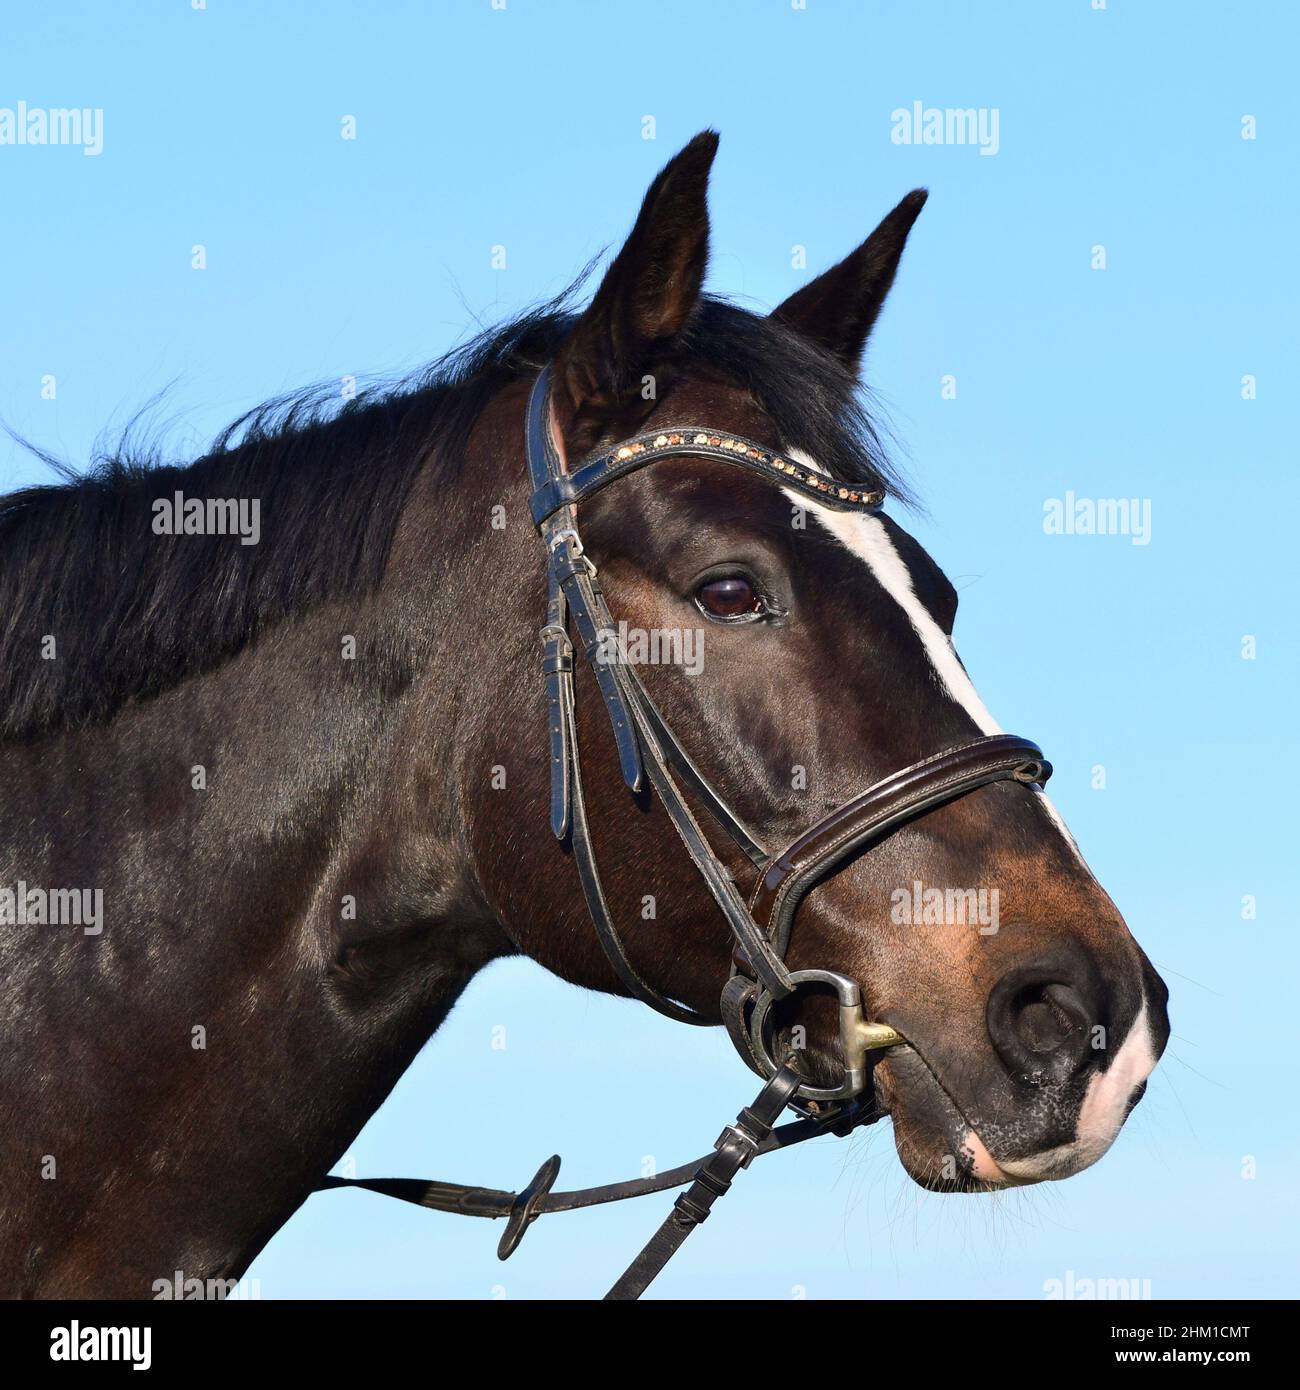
647	294
838	308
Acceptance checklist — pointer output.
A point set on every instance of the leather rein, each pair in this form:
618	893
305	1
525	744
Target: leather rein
762	925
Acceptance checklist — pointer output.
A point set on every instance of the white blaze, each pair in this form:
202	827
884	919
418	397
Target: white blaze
868	539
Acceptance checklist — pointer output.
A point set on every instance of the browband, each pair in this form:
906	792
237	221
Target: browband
654	445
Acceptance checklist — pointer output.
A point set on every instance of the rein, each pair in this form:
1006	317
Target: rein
753	1134
763	925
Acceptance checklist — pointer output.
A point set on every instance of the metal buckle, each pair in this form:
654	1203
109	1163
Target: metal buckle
567	533
576	552
857	1035
748	1144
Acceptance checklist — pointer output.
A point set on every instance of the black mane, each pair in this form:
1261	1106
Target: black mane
134	613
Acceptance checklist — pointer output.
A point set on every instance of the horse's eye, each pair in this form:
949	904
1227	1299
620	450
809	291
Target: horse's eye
731	597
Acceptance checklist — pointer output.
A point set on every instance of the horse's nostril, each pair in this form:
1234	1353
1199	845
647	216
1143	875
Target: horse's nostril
1038	1025
1042	1028
1048	1015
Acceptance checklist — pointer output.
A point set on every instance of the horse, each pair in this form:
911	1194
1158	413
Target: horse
272	795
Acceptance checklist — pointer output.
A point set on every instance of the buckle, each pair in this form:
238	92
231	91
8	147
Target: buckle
747	1144
569	533
576	554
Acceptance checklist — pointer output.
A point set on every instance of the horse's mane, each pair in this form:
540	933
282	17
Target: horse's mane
133	613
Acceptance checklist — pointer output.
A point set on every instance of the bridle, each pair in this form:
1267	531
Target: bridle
646	744
761	925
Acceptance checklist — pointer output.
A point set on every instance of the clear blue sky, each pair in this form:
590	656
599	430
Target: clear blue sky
523	128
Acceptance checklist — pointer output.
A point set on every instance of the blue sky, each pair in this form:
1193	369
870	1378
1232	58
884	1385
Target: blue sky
523	128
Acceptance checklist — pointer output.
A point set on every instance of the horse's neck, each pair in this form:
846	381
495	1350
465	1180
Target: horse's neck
275	948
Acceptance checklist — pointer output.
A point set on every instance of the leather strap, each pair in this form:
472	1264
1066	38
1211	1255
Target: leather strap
882	808
569	570
563	490
736	1148
557	667
640	734
764	962
739	996
685	767
751	1137
576	576
589	877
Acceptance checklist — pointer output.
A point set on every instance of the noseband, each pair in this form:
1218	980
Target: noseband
760	926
